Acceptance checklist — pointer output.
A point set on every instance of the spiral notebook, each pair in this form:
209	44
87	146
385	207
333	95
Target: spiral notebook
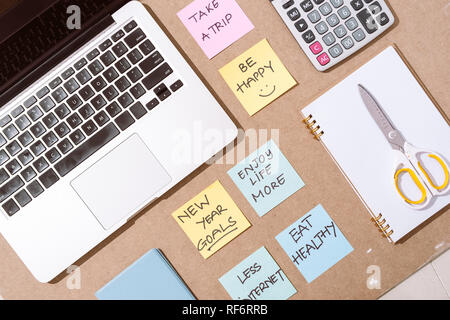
341	121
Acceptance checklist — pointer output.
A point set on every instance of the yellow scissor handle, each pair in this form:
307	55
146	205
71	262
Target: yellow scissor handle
441	162
416	181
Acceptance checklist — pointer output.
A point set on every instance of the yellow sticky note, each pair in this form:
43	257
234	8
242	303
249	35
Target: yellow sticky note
211	219
257	77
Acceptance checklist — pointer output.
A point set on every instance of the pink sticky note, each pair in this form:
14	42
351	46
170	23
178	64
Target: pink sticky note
215	24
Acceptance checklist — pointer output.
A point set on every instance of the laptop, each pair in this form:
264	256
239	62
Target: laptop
100	115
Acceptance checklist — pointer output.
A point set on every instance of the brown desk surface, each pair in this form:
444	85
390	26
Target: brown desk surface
422	34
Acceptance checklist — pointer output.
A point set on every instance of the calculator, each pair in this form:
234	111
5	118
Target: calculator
329	31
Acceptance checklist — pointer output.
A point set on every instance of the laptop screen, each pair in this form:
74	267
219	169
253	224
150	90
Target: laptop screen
33	30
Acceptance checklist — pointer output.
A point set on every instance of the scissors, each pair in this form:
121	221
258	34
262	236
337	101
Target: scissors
407	160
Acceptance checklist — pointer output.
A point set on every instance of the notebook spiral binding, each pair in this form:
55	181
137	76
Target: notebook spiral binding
313	127
380	222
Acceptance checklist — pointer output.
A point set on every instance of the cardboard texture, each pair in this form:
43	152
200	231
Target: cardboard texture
424	48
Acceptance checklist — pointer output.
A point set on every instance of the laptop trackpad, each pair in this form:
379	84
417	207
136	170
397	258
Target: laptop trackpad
121	182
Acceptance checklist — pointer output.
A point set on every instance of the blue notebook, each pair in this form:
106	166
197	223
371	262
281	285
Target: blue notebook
151	277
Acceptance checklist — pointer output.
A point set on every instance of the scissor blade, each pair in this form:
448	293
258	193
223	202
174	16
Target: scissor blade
377	113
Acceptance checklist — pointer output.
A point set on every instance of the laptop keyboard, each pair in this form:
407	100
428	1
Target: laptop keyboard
78	113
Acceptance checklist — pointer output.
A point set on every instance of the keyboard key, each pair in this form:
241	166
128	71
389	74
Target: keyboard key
325	9
125	100
23	122
5	120
348	42
74	102
336	51
85	150
357	4
50	120
301	25
42	92
351	24
59	95
40	164
337	3
138	110
47	104
383	19
333	20
151	62
10	207
137	91
11	187
49	178
13	167
37	148
316	47
176	85
3	175
162	92
98	102
314	16
86	93
306	5
359	35
123	65
86	111
308	36
101	118
110	74
367	21
95	67
119	49
124	120
118	35
157	76
25	139
122	84
340	31
17	111
80	64
146	47
105	45
13	148
10	131
77	136
89	127
323	59
35	113
83	76
374	8
50	139
152	104
66	74
28	174
288	3
3	157
110	93
107	58
344	12
322	27
62	111
135	56
134	38
35	189
23	198
2	140
134	75
71	86
113	109
54	83
53	155
91	55
62	130
130	26
38	130
294	14
65	146
98	83
29	102
74	120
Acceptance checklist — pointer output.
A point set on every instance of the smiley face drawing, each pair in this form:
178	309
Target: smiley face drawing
269	94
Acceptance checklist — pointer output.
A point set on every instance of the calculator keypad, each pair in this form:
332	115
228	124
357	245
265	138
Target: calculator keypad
331	30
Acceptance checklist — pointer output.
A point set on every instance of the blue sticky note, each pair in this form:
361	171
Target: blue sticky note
258	277
266	178
151	277
314	243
